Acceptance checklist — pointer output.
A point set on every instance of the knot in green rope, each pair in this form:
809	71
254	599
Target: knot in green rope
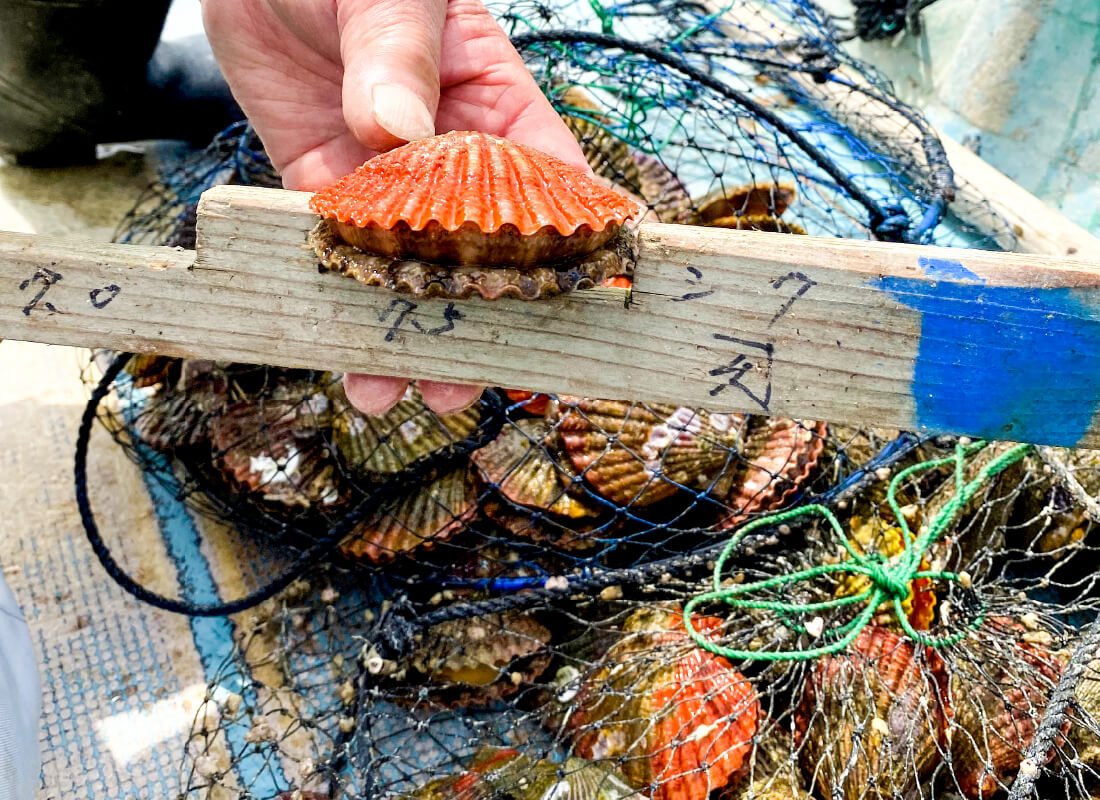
893	580
890	580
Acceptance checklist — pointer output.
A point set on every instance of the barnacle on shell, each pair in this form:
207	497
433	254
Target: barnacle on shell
476	660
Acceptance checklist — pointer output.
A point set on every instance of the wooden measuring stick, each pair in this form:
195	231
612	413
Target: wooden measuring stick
871	334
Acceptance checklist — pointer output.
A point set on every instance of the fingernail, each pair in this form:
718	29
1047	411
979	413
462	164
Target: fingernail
449	398
400	112
373	394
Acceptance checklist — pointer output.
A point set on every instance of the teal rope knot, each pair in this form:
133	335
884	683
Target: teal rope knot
890	579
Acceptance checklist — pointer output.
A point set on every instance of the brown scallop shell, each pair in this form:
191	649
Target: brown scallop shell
468	198
389	443
428	514
678	718
519	465
427	279
998	698
759	199
497	773
477	660
274	448
771	772
172	420
181	415
560	532
642	175
778	456
149	370
757	222
1084	735
872	718
637	454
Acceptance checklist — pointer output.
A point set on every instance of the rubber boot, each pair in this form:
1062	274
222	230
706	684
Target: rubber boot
76	73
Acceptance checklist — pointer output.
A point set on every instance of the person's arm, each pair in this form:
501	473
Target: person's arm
328	85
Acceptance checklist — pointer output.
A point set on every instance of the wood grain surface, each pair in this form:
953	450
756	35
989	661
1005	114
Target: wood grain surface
845	331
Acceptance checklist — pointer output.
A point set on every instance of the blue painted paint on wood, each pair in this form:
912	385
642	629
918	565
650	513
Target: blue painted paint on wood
1004	362
946	268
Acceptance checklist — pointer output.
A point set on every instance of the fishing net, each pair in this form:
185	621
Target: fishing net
563	597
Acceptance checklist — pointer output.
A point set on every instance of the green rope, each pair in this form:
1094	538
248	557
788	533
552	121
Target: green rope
890	578
606	18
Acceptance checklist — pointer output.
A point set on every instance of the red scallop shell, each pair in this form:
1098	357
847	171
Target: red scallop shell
681	720
473	184
779	455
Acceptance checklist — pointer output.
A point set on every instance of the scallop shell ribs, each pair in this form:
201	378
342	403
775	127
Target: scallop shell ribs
466	213
679	719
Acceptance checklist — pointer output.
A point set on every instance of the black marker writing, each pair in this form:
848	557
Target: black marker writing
693	295
47	277
111	291
405	307
805	287
745	366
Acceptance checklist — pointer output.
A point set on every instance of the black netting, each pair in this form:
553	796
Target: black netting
559	597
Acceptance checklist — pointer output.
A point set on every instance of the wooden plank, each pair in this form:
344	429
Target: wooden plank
971	342
981	189
1038	227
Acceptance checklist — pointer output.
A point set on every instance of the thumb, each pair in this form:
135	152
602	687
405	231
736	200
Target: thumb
391	52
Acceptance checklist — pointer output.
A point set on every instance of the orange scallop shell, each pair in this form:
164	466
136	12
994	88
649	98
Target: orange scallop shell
681	720
875	711
535	403
472	198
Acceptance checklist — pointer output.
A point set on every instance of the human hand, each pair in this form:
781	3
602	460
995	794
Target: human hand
328	85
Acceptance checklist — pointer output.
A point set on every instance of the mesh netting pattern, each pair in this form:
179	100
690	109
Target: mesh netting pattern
550	597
